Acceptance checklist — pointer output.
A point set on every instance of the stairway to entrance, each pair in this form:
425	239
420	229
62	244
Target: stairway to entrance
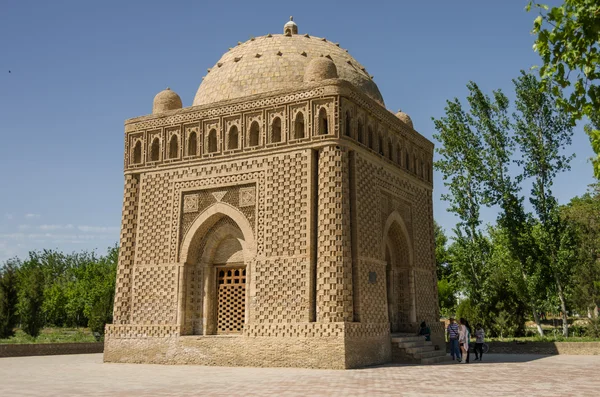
411	349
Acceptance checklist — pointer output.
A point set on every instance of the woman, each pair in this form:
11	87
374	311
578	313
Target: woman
464	335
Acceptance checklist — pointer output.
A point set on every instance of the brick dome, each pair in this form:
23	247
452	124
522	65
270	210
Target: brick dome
276	62
166	100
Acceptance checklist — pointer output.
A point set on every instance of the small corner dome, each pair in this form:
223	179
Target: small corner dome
321	68
166	100
405	118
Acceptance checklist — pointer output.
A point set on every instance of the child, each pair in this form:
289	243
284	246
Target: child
479	335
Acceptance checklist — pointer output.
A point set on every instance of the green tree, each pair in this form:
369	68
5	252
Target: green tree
583	213
8	298
542	132
31	295
490	118
447	290
568	41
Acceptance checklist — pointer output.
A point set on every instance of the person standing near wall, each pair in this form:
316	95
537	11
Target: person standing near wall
479	339
452	333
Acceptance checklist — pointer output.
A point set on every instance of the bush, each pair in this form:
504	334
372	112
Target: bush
8	299
31	298
593	328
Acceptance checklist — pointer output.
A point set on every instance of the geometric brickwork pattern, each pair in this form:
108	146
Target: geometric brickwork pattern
287	203
290	180
334	263
231	300
122	308
281	291
154	286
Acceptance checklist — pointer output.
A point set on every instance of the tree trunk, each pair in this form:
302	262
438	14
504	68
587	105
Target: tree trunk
536	318
563	307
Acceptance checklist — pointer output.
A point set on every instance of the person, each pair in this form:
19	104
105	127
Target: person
464	335
452	333
425	331
479	339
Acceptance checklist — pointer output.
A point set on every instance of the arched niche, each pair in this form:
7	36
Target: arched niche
400	275
217	252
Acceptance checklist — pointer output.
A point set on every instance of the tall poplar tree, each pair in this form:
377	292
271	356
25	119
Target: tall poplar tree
542	130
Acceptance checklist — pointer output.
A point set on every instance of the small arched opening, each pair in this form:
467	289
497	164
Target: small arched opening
348	124
212	141
253	139
192	144
233	139
323	122
360	132
137	153
174	147
155	150
276	130
299	126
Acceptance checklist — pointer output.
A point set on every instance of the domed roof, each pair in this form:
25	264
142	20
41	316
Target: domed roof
166	100
405	118
276	62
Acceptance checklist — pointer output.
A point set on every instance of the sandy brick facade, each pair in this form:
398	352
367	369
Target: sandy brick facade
284	227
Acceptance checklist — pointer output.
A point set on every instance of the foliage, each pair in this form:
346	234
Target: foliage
31	296
8	298
73	290
568	41
593	327
52	335
583	214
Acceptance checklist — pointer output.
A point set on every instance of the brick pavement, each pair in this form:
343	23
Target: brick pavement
499	375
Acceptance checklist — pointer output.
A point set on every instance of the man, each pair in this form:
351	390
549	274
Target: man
452	333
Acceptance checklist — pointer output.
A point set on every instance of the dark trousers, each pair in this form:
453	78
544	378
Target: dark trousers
454	349
478	349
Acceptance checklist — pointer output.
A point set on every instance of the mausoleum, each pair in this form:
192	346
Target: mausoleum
283	219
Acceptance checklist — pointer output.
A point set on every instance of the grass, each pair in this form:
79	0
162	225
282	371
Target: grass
53	335
545	338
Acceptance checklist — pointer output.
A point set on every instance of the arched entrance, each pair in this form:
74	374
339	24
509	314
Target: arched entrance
400	284
216	251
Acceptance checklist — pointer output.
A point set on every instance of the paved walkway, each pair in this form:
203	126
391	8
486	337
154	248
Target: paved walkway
499	375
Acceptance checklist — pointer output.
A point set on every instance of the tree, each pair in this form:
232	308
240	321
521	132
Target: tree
460	164
583	214
447	290
542	131
8	298
31	295
568	40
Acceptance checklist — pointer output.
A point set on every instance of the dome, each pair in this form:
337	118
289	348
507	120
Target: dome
405	118
276	62
166	100
320	69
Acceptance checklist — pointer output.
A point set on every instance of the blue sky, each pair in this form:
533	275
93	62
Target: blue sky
78	69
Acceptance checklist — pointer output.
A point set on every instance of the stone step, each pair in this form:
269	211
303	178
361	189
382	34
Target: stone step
420	349
430	354
435	360
402	339
404	345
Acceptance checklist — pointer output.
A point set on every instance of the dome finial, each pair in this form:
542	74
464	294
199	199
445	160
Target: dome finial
290	28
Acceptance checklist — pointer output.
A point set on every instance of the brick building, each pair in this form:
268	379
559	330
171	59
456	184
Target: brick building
284	219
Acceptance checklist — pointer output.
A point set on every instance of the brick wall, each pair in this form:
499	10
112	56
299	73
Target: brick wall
49	349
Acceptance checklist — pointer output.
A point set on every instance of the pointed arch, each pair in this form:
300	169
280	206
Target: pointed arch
348	124
254	138
276	130
395	217
155	150
192	144
212	141
233	138
137	153
206	220
323	122
299	126
174	147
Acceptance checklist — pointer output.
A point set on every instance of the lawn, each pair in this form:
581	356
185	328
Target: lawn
53	335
